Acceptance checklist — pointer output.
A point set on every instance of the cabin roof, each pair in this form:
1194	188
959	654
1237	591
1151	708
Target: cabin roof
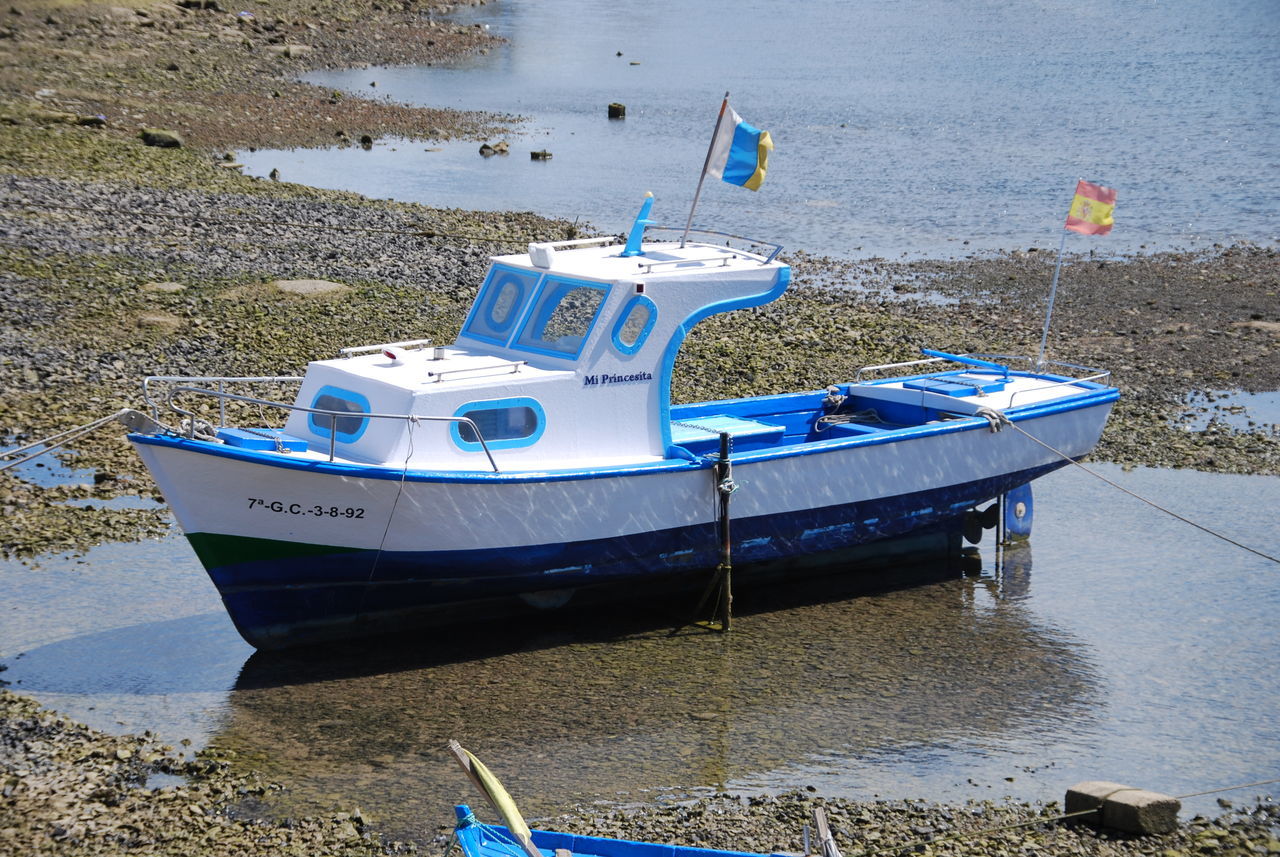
605	261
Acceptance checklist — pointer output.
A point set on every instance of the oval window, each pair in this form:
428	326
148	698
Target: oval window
502	306
634	323
503	423
346	423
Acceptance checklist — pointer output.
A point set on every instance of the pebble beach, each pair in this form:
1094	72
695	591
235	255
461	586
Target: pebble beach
120	259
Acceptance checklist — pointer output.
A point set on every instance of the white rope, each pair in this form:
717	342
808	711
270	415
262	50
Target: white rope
62	438
413	421
1006	421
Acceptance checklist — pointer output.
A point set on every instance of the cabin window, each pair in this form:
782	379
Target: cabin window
500	303
634	323
562	317
348	424
504	424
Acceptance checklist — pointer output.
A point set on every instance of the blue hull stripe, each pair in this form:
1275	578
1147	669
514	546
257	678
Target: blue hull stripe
274	600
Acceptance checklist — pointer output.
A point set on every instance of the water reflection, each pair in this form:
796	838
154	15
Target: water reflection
609	708
147	659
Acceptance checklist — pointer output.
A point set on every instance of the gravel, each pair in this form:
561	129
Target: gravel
92	219
66	789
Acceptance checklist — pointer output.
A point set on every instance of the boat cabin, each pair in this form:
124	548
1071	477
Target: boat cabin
564	360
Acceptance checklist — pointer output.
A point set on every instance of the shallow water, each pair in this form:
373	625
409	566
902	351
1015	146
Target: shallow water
929	128
1134	648
1233	409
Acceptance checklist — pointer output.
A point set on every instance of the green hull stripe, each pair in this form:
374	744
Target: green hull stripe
216	550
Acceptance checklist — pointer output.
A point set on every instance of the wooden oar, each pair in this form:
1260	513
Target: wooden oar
497	796
826	841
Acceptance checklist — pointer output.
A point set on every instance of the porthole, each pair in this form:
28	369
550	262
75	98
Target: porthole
504	424
634	323
347	425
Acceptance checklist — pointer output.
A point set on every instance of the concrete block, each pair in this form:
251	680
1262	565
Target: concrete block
1124	808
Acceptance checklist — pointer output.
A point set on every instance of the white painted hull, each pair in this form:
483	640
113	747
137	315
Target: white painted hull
305	549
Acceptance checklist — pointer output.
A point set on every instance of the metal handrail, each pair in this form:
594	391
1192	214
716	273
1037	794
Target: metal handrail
578	242
764	260
221	380
513	365
857	378
1094	372
1030	362
1068	382
335	414
360	349
723	257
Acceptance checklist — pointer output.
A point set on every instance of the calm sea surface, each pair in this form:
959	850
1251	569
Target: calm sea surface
1118	644
927	128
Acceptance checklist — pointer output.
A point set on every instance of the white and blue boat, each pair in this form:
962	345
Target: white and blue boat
540	457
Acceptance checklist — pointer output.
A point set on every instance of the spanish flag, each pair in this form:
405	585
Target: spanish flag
1091	209
739	152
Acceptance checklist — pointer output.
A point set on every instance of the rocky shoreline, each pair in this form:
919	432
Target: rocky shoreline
66	789
119	260
220	76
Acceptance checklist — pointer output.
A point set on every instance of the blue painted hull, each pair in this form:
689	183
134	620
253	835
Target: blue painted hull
313	598
486	840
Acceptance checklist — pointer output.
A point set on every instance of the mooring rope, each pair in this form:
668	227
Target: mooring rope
404	473
54	441
1228	789
1005	421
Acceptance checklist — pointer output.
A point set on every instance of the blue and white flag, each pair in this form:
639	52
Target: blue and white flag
739	152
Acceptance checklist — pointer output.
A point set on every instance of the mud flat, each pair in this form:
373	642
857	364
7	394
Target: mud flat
120	259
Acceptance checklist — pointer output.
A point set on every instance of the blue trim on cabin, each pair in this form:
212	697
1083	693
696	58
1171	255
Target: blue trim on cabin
746	407
273	598
624	315
497	405
668	361
357	399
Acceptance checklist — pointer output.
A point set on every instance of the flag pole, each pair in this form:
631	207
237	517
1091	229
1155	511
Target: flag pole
1053	292
705	163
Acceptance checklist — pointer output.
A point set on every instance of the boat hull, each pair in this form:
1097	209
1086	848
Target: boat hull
304	551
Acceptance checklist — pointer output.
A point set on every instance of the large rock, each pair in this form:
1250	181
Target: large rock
160	137
1124	808
309	287
291	51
